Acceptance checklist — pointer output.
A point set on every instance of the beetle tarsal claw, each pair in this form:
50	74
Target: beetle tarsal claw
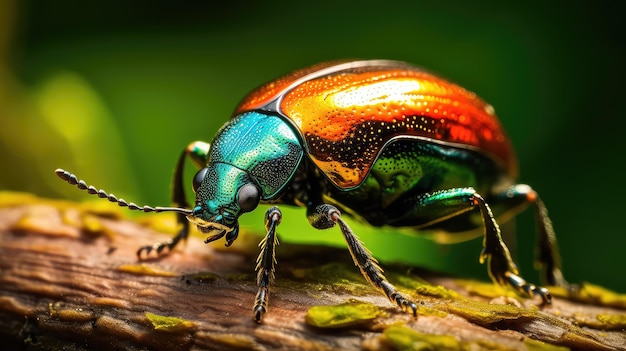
527	289
404	304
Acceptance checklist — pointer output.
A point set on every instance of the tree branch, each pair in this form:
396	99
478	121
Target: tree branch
70	278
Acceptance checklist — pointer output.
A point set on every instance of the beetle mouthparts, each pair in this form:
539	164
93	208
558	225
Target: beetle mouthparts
210	227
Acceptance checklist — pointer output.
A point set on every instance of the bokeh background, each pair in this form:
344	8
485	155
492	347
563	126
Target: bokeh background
113	90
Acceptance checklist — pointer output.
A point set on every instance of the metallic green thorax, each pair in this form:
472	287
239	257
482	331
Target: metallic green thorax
251	148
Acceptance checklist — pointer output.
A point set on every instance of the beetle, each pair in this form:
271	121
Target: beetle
381	141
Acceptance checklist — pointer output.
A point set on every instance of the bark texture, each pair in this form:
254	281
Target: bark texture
70	279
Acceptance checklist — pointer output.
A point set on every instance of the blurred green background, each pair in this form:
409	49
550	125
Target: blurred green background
113	90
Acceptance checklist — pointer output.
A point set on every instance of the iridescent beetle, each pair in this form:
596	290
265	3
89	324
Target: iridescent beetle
382	141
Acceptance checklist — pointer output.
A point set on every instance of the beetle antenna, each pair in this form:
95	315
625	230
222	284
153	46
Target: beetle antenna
80	184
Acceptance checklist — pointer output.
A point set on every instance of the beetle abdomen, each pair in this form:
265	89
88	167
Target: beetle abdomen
408	168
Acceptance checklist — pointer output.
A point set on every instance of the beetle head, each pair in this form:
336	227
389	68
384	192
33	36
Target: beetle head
223	193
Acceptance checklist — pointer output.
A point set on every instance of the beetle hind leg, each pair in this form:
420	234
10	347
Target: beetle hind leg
501	267
455	202
547	260
326	216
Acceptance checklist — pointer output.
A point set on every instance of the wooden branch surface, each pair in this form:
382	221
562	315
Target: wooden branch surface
70	279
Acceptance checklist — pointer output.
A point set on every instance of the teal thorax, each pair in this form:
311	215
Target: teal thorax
252	148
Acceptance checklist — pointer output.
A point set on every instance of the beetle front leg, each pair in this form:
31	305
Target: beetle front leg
326	216
266	262
198	152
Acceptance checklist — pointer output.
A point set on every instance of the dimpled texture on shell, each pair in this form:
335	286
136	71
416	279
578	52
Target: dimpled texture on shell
348	112
264	146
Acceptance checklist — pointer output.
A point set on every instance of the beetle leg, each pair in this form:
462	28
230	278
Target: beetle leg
266	262
548	257
198	152
501	267
326	216
514	199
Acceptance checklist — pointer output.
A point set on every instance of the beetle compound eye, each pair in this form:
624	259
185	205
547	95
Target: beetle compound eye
198	178
248	197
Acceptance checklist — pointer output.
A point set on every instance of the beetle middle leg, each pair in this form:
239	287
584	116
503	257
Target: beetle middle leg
198	152
326	216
